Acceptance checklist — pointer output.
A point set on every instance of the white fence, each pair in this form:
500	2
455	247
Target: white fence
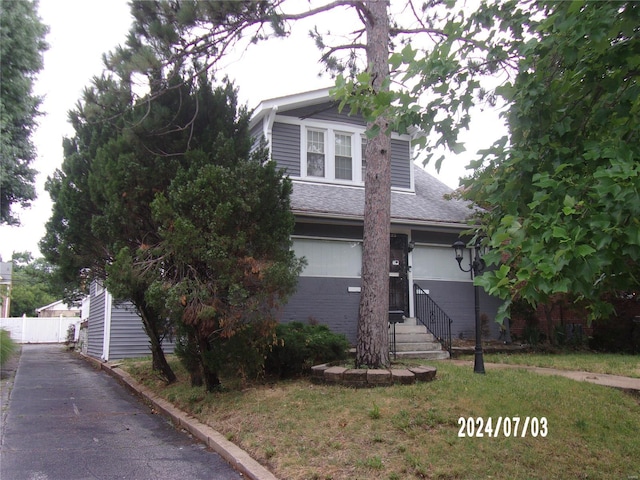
39	329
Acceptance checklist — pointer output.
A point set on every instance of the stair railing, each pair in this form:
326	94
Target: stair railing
429	314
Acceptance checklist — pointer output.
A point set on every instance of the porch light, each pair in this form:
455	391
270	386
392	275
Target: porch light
476	265
458	247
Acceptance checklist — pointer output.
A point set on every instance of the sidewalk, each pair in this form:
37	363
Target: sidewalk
616	381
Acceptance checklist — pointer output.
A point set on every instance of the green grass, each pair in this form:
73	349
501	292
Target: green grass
7	346
609	363
302	431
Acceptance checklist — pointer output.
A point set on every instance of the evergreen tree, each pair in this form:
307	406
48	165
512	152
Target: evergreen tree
21	47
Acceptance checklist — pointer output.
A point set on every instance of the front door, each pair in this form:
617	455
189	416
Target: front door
398	274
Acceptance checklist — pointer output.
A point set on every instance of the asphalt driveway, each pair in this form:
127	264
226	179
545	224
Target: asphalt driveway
67	421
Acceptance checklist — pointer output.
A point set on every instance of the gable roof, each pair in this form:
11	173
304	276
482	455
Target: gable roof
425	206
58	303
288	102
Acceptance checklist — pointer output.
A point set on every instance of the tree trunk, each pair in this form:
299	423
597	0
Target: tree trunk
372	347
159	361
211	379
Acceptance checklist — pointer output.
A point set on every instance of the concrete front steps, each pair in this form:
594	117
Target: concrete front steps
414	341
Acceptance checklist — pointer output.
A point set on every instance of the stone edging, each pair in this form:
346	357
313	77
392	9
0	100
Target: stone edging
360	378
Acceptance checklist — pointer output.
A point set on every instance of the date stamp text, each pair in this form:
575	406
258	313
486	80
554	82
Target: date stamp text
503	427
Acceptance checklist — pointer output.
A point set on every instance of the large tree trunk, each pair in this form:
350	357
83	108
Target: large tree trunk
372	347
159	361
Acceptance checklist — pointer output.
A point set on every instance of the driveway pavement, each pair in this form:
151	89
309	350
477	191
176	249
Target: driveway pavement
67	421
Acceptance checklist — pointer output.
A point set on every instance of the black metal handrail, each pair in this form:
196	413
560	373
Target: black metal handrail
433	317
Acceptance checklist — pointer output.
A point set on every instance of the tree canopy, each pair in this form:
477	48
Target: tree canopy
561	192
33	284
21	46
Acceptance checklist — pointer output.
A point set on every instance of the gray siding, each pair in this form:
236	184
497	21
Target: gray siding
326	112
128	338
95	328
256	136
400	164
327	301
286	147
457	300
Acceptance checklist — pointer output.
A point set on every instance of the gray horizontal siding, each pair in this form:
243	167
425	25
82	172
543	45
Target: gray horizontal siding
128	338
400	163
327	301
95	333
326	112
256	136
457	301
286	147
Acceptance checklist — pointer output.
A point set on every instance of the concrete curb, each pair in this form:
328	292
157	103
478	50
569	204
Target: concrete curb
233	455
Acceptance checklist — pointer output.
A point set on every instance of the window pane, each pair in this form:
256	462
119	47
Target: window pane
329	258
436	263
343	168
315	153
343	145
343	157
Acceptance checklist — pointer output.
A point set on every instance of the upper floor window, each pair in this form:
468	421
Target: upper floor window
344	159
331	155
315	153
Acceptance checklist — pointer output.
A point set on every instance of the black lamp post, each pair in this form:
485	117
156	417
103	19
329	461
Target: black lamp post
476	265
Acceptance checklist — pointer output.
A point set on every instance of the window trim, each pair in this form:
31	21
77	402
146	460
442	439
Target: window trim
357	133
330	133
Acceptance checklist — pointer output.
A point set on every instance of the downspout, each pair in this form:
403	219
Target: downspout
106	338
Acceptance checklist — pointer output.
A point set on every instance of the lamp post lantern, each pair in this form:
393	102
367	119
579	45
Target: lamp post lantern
476	265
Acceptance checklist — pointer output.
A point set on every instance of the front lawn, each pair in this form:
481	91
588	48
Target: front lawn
609	363
304	431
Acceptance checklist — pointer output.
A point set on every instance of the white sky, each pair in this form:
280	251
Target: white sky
82	30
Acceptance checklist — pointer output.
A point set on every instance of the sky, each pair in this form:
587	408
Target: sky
81	31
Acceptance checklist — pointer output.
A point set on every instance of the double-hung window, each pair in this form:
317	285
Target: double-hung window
343	156
331	155
316	158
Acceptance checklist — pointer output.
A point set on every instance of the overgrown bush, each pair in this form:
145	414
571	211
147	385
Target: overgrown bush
300	346
7	346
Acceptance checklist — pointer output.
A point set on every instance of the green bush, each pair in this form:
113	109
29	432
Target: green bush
299	346
7	346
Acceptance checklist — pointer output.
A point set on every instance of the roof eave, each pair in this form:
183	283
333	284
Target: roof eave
394	220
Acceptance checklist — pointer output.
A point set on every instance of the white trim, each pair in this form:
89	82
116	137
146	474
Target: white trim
106	339
267	127
354	289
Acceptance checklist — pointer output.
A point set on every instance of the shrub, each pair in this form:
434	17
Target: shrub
298	347
7	346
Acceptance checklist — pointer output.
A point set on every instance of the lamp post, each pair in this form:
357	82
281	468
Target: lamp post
476	265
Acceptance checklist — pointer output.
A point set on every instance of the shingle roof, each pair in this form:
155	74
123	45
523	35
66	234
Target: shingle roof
426	205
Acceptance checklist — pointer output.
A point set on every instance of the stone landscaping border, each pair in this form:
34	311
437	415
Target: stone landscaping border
361	378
